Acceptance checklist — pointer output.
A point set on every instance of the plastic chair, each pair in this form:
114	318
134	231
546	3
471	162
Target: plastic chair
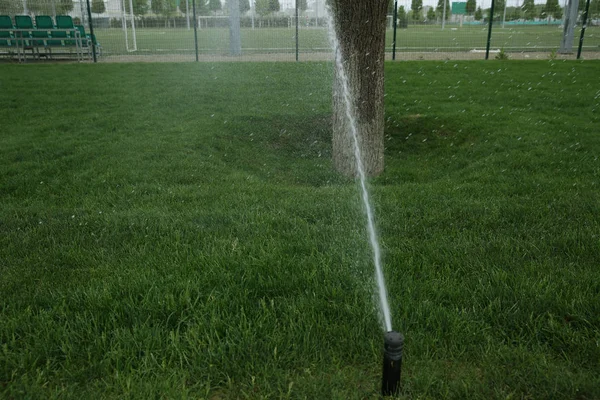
24	22
42	23
6	35
87	41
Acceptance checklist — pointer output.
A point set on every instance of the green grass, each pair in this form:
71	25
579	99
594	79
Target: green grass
281	40
177	231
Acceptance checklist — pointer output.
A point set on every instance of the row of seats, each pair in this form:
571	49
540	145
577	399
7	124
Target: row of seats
44	33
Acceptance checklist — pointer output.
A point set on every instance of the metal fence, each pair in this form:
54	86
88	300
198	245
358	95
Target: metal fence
205	30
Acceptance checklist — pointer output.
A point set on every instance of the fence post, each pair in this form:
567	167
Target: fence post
489	38
444	16
395	28
195	28
187	13
89	14
235	40
583	26
297	30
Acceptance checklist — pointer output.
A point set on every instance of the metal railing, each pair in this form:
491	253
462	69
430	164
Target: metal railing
133	31
24	41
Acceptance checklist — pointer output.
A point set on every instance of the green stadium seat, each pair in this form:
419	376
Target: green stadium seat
43	24
24	22
88	40
41	30
63	22
6	36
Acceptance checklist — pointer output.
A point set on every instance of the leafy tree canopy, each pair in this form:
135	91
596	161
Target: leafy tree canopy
214	5
165	8
274	6
8	7
262	7
302	5
431	14
471	6
416	7
440	8
552	9
528	9
478	14
140	7
98	6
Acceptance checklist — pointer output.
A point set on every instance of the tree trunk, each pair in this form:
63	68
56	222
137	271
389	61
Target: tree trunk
360	29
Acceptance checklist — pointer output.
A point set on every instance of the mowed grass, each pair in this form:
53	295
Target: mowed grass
429	38
177	231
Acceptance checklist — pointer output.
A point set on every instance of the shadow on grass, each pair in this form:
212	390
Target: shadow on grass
419	133
284	148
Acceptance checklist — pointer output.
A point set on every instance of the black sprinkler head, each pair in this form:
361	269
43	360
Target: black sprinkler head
392	363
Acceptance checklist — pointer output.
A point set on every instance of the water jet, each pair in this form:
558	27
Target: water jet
393	341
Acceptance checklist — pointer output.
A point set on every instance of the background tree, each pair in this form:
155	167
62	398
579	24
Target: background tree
98	6
166	8
202	7
402	17
45	7
478	14
244	6
302	5
214	6
390	10
170	8
552	10
594	9
431	14
274	6
140	7
528	10
516	14
471	7
498	9
360	28
262	7
440	9
416	7
156	6
64	6
558	12
9	7
39	7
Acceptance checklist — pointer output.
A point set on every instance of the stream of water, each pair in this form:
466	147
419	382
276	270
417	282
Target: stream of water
351	118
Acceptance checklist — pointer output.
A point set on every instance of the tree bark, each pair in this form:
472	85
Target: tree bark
360	29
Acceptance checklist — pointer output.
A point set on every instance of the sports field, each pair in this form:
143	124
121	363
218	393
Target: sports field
176	230
417	38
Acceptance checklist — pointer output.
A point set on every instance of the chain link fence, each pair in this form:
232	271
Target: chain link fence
204	30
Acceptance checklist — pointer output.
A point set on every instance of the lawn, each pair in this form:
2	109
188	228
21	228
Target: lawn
428	38
177	231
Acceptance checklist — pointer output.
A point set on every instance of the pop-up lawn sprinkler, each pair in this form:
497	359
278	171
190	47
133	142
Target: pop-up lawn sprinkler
392	363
